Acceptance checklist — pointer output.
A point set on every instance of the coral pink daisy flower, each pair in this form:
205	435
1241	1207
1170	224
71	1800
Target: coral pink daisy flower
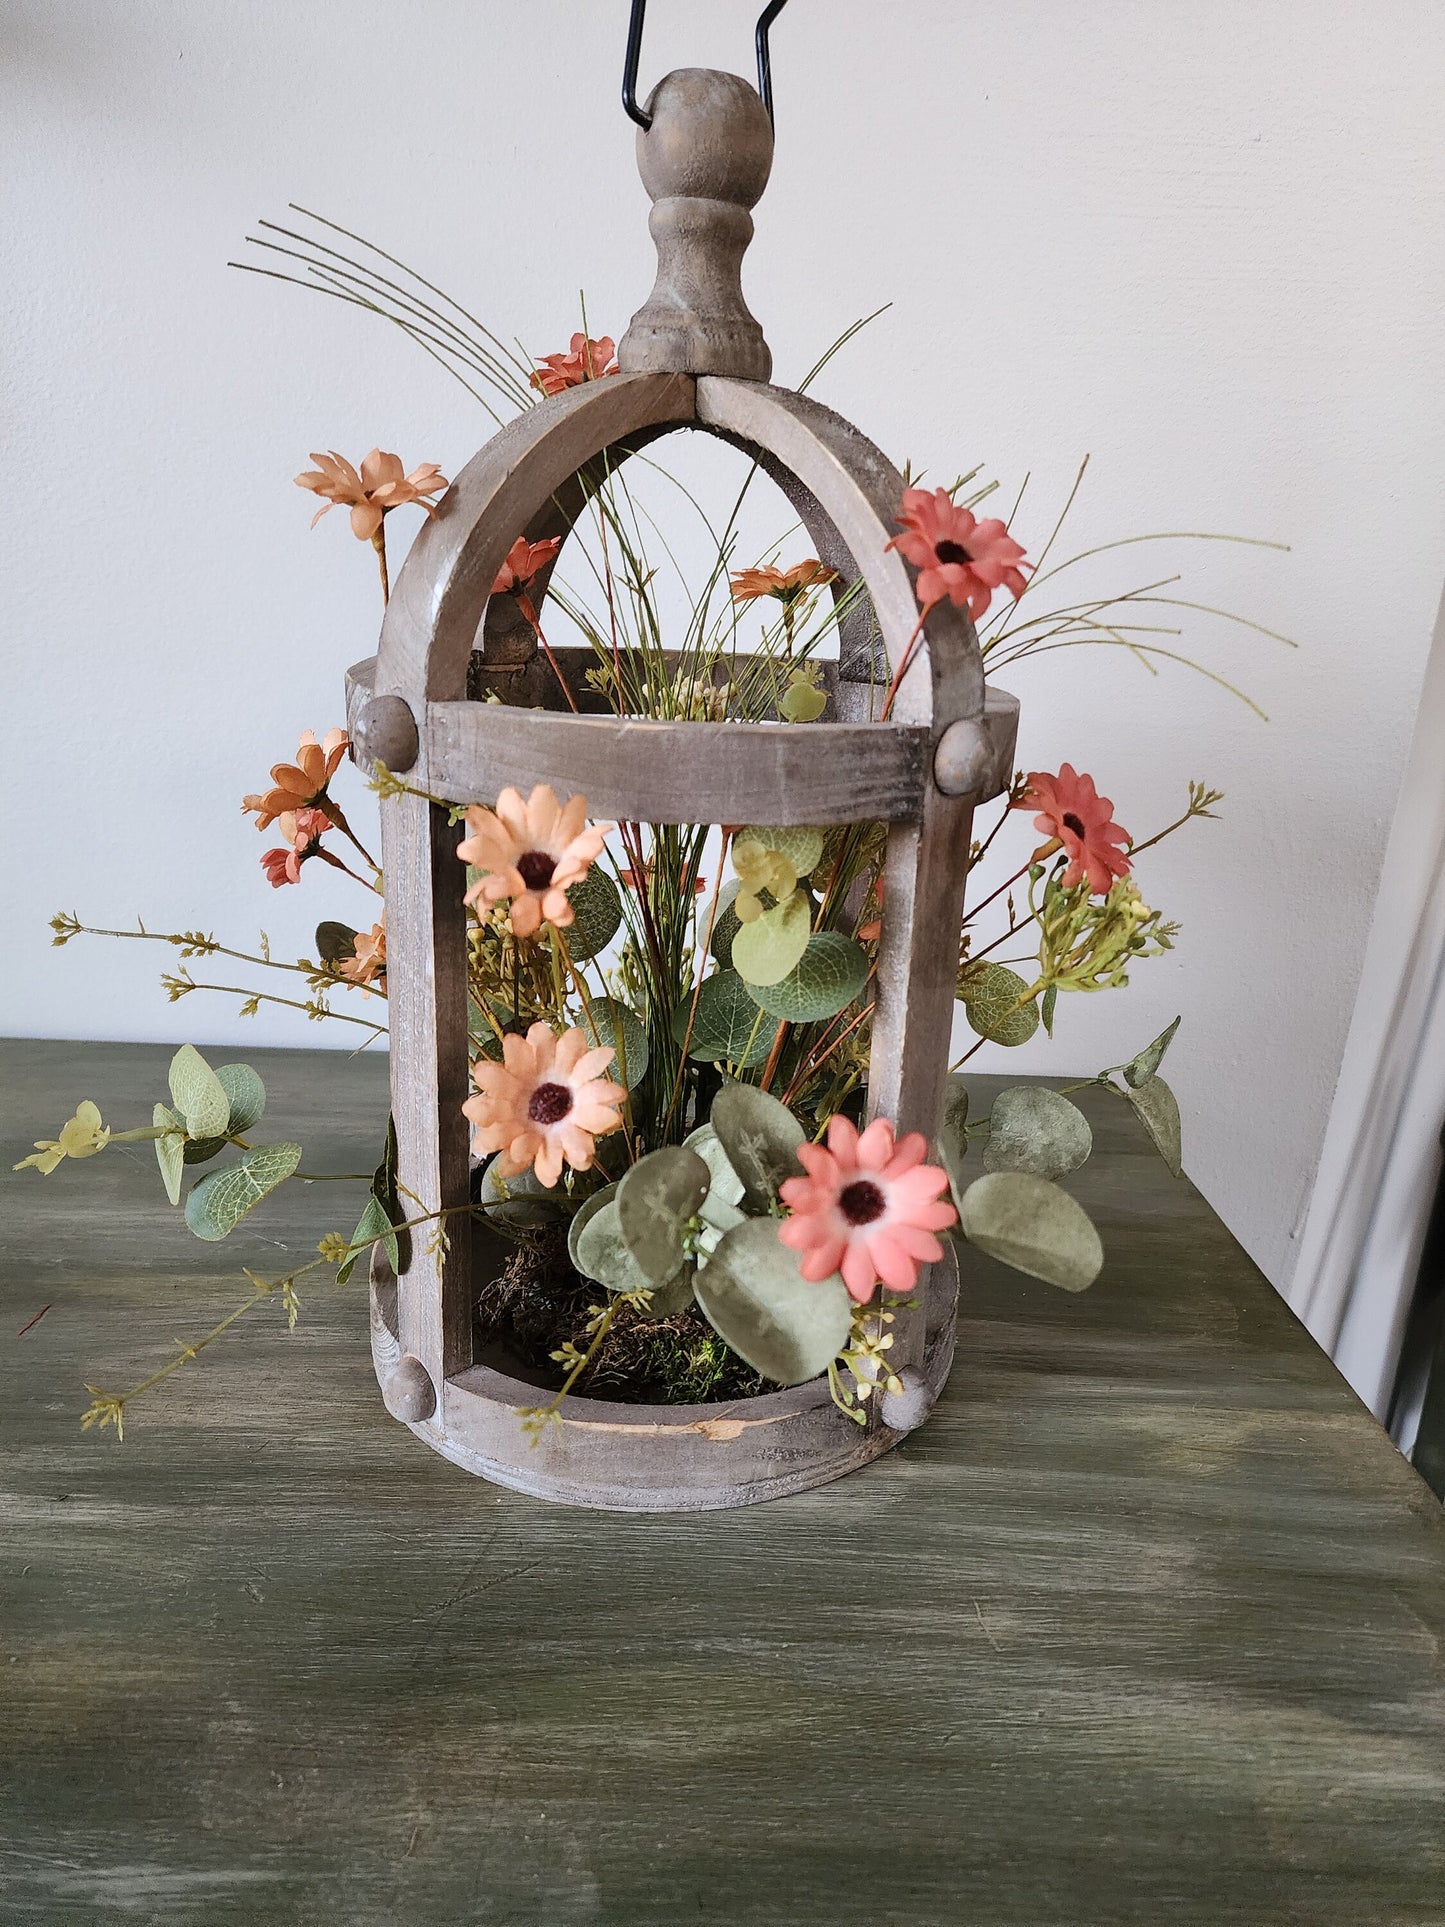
869	1207
1077	819
588	361
545	1103
957	556
533	852
303	830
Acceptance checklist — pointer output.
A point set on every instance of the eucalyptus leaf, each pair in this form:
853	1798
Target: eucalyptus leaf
719	1214
953	1134
726	924
655	1200
1158	1108
802	702
729	1028
1046	1008
170	1149
246	1095
1140	1069
796	843
1036	1130
760	1137
726	1186
826	979
372	1224
607	1021
218	1202
600	1251
677	1295
520	1200
586	1211
990	998
199	1094
1033	1225
200	1150
759	1303
384	1190
596	915
764	951
335	943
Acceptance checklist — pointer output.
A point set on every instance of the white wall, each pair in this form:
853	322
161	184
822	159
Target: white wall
1203	244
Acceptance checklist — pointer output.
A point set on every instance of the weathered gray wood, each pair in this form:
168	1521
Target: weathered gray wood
1156	1611
859	491
521	479
618	1457
704	161
974	757
438	598
652	772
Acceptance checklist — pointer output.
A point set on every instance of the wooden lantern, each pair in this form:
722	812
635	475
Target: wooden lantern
694	358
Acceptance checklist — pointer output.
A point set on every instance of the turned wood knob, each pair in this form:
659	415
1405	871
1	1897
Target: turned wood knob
704	161
905	1411
963	761
408	1393
386	732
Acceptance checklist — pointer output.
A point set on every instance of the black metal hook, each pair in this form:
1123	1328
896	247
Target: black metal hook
634	55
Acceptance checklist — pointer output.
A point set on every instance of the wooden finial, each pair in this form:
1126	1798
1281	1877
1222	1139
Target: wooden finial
704	161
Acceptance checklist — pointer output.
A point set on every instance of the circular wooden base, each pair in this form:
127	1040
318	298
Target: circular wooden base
650	1458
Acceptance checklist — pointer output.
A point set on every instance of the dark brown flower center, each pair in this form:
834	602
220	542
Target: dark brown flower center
861	1201
1072	822
536	868
952	552
549	1104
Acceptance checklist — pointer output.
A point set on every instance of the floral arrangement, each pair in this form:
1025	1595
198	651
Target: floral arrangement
670	1025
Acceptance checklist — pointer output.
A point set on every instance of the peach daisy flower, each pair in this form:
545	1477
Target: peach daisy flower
786	584
300	785
545	1103
368	960
957	556
1076	819
869	1207
588	361
381	486
533	852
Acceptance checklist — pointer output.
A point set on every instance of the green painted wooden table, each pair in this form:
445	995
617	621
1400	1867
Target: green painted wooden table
1144	1626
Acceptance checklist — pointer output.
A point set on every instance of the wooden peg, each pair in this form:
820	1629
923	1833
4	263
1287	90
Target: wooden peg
408	1393
704	161
386	732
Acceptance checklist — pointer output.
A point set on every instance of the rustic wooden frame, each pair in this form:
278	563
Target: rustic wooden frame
944	749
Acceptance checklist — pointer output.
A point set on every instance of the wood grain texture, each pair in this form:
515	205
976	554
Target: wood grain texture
704	161
660	772
529	472
1153	1607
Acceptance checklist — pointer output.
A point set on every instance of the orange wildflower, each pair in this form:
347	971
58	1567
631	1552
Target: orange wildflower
545	1103
588	361
381	486
786	584
300	785
533	852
